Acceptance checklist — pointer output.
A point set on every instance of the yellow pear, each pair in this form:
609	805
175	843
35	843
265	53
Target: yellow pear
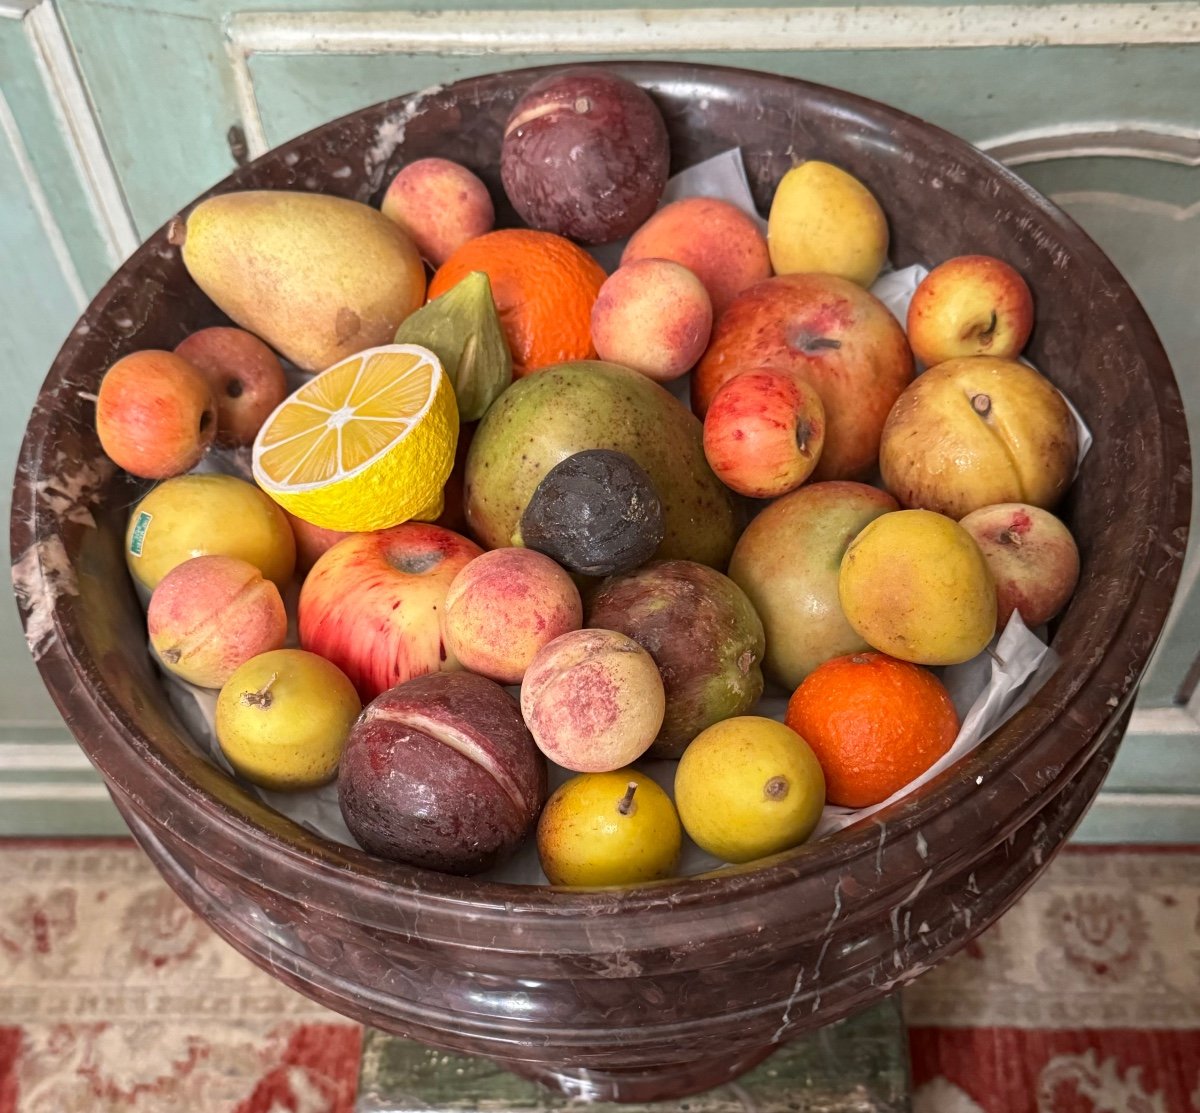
914	584
317	277
826	221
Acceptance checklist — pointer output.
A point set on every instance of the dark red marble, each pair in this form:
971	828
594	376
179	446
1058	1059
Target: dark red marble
672	987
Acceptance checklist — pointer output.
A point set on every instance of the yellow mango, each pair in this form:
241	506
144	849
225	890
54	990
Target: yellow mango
914	584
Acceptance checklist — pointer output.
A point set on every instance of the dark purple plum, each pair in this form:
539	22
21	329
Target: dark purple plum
440	772
585	155
703	634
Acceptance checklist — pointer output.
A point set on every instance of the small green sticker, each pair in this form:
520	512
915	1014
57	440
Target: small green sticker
138	538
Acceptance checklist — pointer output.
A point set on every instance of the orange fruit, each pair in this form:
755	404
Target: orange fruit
875	723
543	286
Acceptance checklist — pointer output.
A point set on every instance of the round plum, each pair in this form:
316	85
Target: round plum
585	154
441	773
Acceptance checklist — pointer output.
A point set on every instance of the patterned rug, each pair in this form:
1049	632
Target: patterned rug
115	999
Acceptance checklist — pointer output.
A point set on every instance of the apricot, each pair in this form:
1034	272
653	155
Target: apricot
155	414
593	700
652	315
246	378
503	607
440	204
715	240
209	615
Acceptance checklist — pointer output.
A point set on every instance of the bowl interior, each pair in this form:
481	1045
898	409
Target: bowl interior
942	198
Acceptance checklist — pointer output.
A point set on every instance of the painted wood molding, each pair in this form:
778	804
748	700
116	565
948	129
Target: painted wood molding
629	31
56	65
41	205
1119	139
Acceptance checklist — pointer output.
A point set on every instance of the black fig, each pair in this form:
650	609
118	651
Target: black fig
596	513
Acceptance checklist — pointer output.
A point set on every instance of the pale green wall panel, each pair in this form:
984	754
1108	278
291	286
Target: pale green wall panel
31	108
1146	216
160	84
37	307
979	93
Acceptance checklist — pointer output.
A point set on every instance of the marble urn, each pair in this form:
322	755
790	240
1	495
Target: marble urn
667	989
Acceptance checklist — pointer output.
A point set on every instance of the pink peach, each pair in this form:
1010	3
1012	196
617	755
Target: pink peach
441	205
652	315
209	615
715	240
593	700
245	375
503	607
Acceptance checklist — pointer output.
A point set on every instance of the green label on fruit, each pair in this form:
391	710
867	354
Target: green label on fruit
138	538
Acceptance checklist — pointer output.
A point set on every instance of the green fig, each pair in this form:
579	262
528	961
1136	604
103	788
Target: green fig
462	328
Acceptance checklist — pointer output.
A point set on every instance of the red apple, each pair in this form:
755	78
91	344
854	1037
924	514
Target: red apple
972	305
833	334
372	604
155	414
1032	557
246	377
764	432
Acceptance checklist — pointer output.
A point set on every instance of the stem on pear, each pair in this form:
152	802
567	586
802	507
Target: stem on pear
261	699
625	804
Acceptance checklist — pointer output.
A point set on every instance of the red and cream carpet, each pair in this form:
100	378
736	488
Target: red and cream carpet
115	999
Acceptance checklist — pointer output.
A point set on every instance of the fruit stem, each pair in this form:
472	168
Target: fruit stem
981	404
995	657
262	698
625	804
1009	537
804	434
776	788
176	231
990	331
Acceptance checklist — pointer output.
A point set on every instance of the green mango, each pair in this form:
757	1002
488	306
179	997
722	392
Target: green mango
545	417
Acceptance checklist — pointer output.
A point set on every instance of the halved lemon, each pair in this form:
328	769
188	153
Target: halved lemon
366	444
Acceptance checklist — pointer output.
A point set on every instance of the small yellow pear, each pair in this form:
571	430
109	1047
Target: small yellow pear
615	828
826	221
317	277
914	584
283	719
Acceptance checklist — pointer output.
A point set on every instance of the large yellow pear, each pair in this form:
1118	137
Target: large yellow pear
914	584
826	221
317	277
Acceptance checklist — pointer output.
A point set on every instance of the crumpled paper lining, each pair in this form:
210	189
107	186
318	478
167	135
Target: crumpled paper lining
986	690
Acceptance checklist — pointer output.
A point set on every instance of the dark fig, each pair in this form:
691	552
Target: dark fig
585	155
440	772
703	634
596	513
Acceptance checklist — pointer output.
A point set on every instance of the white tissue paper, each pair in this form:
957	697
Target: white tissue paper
986	690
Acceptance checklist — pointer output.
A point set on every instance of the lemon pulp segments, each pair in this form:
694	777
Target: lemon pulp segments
366	444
